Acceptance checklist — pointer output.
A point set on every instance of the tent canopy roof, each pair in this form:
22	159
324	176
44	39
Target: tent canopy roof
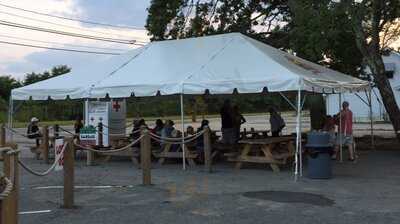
219	64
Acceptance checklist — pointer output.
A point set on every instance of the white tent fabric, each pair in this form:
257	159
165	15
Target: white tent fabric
219	63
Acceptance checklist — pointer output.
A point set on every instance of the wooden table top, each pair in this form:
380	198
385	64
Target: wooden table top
266	141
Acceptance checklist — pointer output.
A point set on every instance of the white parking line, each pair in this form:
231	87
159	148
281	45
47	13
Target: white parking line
84	187
34	212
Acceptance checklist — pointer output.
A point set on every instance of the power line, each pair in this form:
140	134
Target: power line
57	49
73	19
65	44
23	26
60	24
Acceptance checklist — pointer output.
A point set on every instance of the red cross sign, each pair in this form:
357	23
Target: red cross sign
116	106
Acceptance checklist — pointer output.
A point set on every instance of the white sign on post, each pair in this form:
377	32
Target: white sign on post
59	144
112	114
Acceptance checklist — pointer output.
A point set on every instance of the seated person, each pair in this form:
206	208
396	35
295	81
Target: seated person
137	124
158	127
33	131
166	132
189	131
200	140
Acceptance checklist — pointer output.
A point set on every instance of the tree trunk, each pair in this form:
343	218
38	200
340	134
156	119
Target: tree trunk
378	69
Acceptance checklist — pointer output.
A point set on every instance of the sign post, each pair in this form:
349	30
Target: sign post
88	138
59	145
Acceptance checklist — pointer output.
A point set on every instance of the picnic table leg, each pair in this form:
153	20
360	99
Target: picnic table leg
190	160
245	151
268	154
167	148
134	159
291	149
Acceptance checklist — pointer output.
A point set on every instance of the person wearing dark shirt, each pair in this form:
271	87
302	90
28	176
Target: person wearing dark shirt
200	140
158	128
238	120
227	129
277	122
78	125
33	130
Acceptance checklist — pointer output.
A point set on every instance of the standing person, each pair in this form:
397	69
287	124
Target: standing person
345	135
33	131
227	123
276	121
238	120
329	126
200	141
78	125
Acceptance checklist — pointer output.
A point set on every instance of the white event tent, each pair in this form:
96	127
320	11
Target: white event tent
218	64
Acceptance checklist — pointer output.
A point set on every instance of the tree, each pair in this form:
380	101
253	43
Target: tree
37	77
344	35
7	83
368	25
173	19
161	13
369	19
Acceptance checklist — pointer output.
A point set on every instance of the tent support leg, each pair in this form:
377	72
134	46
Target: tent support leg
183	134
298	138
300	131
371	119
10	118
340	127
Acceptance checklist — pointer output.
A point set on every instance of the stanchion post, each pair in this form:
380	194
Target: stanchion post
45	144
145	156
69	174
10	209
207	149
2	135
56	129
100	134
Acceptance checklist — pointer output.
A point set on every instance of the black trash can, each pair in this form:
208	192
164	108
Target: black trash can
319	151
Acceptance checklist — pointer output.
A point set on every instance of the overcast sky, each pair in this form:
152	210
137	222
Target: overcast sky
17	61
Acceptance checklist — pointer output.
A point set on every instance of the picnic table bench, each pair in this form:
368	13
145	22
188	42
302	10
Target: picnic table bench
166	153
273	151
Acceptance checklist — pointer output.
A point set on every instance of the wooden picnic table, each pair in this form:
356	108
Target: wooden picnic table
273	151
166	152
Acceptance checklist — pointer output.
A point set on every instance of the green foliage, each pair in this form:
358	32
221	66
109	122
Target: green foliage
29	109
7	83
172	19
37	77
161	12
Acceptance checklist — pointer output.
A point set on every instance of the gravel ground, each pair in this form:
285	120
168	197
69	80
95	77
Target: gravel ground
111	192
365	192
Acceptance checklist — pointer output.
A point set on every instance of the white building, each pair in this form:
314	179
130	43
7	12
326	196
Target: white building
359	101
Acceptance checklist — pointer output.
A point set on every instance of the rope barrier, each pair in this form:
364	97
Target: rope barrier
23	135
108	134
115	129
62	129
45	173
112	150
7	190
176	141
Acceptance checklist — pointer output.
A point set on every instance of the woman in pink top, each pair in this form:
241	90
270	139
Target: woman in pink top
345	135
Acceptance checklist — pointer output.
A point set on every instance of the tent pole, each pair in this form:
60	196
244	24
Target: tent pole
296	173
300	128
340	127
183	133
86	112
10	117
371	119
